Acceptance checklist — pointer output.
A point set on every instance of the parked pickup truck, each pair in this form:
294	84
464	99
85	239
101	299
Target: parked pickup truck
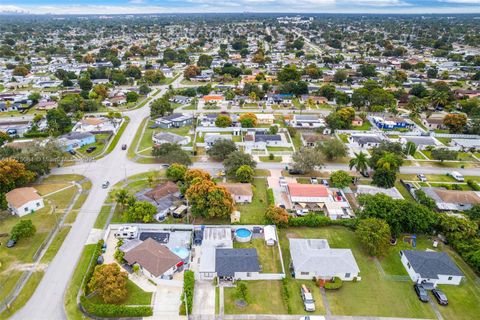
307	297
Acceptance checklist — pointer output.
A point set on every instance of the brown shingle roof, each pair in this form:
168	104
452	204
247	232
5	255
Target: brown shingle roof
152	256
18	197
457	196
239	189
162	190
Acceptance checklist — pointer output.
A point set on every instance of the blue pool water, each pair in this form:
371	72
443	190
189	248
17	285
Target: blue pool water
181	252
243	233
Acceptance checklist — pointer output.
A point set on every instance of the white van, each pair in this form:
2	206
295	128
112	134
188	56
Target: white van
457	176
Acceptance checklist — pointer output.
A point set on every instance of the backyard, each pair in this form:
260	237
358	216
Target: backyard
253	213
268	256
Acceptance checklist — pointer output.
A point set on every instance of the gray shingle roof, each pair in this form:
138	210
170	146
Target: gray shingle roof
430	264
229	261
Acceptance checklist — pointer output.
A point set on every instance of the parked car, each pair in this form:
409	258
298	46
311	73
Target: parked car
105	184
302	212
457	176
313	180
295	171
325	182
421	292
124	147
440	296
11	243
307	297
91	149
166	166
72	152
422	177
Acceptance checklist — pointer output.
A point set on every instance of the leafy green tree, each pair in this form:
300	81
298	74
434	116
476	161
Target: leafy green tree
241	291
289	73
23	229
410	148
340	76
4	137
85	84
248	120
340	179
333	149
132	96
58	121
204	61
244	174
176	172
160	108
141	211
110	283
237	159
223	121
35	97
122	196
425	200
443	154
171	153
328	91
384	178
374	234
209	200
367	70
307	159
144	89
13	174
221	149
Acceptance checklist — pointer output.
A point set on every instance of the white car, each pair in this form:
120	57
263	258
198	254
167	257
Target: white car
307	297
312	318
422	177
302	212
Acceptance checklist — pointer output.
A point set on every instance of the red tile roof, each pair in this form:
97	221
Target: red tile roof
307	190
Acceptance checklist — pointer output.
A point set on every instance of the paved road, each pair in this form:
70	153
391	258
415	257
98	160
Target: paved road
47	301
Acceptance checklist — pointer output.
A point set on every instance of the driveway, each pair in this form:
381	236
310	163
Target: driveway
167	302
278	193
204	299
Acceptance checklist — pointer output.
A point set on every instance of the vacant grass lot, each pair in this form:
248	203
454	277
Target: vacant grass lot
254	213
264	297
268	256
373	295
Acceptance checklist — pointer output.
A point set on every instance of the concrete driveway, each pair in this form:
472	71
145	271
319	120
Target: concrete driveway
167	302
278	193
204	299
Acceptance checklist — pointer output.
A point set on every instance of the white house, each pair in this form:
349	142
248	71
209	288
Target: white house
431	268
22	201
241	192
168	137
314	258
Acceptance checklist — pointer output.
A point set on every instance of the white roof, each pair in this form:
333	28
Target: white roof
315	255
269	233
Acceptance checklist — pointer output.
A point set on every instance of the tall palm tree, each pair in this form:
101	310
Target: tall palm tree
439	98
121	196
389	161
360	162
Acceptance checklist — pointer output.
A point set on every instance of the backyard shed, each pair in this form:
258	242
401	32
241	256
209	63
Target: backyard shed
270	235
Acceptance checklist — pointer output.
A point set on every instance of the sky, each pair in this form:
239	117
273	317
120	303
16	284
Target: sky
199	6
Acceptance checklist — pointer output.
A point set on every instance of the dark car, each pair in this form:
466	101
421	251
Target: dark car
440	296
421	292
124	147
91	149
72	152
295	171
11	243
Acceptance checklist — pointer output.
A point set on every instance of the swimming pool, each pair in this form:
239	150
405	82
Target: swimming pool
243	235
183	253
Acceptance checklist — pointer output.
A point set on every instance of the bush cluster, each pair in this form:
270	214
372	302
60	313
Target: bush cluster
472	184
188	287
335	284
91	268
316	220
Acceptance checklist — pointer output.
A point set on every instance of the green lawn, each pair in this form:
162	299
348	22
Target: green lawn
100	143
364	127
24	295
136	296
267	159
403	191
295	301
71	308
55	245
279	149
102	217
117	137
253	213
343	137
268	256
373	295
264	297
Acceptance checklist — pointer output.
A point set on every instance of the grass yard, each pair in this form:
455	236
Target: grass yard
102	217
267	159
55	245
364	127
268	255
101	141
403	191
71	307
343	137
273	149
264	297
295	301
136	296
253	213
373	295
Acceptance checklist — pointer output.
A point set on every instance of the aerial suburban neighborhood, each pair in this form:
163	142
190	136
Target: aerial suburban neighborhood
240	165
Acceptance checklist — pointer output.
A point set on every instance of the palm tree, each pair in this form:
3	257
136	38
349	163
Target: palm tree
360	162
121	196
439	98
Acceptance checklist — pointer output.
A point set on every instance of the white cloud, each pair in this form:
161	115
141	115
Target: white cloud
136	1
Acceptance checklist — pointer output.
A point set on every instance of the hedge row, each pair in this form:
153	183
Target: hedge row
91	268
188	287
113	310
270	197
472	184
316	220
286	295
35	134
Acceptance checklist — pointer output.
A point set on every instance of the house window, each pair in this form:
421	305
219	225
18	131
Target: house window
249	274
347	275
304	273
38	204
450	278
26	209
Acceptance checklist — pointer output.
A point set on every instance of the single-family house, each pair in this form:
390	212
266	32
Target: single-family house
392	123
175	120
74	140
163	197
357	122
168	137
155	260
466	144
212	137
452	200
313	258
421	142
265	118
311	139
434	123
241	192
97	125
307	121
22	201
365	140
431	268
46	105
213	98
236	264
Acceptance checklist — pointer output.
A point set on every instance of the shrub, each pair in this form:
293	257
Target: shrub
113	310
188	287
335	284
270	197
271	156
472	184
310	220
93	264
286	294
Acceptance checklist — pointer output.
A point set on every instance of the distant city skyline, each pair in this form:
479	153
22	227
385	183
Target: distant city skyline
204	6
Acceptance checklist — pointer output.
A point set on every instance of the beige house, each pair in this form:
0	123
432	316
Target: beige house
241	192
